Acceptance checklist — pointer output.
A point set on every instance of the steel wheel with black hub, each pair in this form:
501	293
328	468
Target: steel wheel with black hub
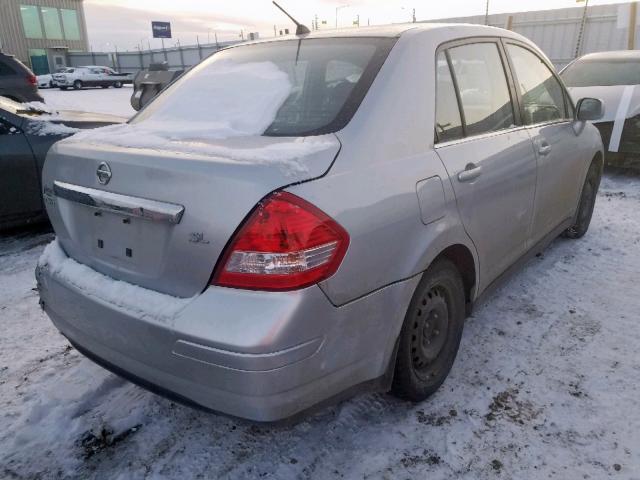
431	333
587	203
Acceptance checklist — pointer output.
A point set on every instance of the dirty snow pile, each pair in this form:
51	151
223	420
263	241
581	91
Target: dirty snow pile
545	386
214	101
132	299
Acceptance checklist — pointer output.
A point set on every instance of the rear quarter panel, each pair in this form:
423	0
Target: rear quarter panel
387	149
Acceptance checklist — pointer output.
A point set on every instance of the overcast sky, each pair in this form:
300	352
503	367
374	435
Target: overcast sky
127	23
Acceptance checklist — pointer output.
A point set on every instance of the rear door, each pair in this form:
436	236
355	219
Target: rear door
548	115
487	153
19	182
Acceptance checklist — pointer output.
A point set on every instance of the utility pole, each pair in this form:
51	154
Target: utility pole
414	15
316	21
338	8
486	14
583	24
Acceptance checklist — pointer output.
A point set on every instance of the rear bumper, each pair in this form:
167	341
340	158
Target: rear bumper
257	355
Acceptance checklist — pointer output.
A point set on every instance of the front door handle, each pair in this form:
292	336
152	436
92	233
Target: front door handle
544	148
470	173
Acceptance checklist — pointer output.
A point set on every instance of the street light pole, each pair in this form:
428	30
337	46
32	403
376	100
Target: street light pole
486	14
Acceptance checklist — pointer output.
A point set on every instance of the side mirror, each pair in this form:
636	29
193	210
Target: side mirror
589	109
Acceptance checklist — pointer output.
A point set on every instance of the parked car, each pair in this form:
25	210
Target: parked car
46	80
17	82
613	77
26	134
295	220
91	76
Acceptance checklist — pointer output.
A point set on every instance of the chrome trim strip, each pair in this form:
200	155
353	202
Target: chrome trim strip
122	204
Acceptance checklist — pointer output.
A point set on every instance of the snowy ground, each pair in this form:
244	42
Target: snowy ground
546	385
114	101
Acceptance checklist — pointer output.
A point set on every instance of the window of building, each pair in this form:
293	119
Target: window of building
448	122
51	20
39	61
70	24
31	21
483	87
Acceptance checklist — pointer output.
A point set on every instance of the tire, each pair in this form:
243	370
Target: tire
104	86
77	85
63	88
586	204
431	333
117	85
51	85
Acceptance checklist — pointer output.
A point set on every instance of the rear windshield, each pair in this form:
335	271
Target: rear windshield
602	73
284	88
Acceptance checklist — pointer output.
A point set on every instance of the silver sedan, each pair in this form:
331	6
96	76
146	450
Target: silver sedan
295	220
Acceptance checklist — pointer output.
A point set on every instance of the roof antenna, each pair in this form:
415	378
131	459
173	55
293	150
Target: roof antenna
300	28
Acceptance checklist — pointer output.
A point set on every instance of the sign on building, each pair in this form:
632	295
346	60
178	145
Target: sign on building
161	29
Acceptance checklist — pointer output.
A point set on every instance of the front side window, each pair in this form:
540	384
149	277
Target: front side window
297	87
70	24
31	21
51	19
448	121
542	95
483	88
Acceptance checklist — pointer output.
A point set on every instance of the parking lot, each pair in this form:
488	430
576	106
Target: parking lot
546	383
113	101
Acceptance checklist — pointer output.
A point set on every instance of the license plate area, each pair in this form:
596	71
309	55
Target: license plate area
133	244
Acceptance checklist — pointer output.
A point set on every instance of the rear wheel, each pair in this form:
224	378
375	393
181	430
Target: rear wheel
104	86
118	85
431	333
77	85
587	203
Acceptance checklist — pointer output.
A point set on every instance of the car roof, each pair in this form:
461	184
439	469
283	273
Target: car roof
613	55
397	30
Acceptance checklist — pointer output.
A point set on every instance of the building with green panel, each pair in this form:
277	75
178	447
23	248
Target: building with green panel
41	32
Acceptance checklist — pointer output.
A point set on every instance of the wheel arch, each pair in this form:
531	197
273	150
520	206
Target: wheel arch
462	257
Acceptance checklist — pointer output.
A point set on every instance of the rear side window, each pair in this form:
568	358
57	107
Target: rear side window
483	88
6	70
542	94
448	121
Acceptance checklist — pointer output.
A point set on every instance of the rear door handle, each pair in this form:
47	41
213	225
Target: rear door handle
470	173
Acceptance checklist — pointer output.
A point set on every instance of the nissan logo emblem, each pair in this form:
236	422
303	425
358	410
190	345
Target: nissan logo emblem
104	173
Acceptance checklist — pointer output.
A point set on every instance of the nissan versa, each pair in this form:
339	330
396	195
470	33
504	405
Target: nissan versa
297	219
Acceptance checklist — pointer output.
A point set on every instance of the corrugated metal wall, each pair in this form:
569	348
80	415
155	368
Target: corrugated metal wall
12	34
179	58
556	31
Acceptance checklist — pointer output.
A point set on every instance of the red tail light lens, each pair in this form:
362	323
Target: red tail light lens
31	79
285	244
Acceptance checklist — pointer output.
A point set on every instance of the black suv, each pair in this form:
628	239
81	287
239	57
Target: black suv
17	82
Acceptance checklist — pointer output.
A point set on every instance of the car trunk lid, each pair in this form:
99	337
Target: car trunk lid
161	218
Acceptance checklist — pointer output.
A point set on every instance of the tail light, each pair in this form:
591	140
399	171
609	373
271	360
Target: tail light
31	79
285	244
